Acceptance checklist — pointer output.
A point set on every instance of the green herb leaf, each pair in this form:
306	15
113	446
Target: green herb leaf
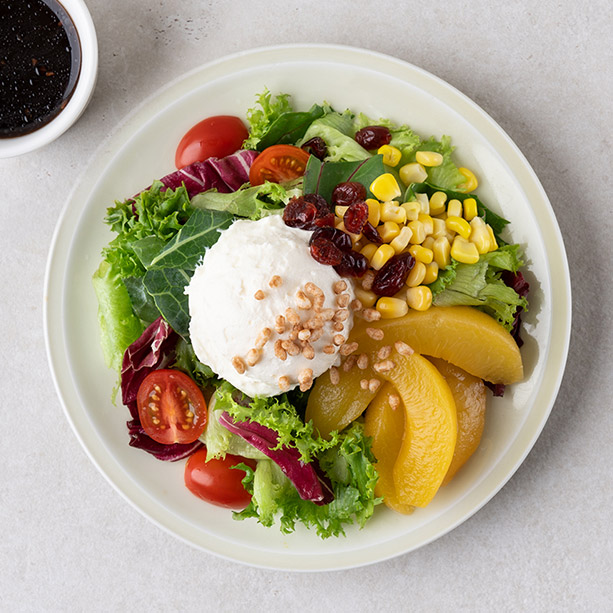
322	177
289	127
167	288
200	232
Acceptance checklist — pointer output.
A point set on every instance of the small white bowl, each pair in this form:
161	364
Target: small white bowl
18	145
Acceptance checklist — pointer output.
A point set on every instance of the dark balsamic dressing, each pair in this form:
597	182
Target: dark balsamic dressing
40	61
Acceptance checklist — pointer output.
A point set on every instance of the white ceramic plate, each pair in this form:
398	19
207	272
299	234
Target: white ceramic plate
143	149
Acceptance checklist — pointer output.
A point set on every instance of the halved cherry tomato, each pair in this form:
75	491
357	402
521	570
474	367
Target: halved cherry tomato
171	407
216	481
213	137
278	163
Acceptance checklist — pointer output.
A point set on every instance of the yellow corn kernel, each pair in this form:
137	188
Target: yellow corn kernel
470	209
339	224
385	187
428	223
437	203
413	173
391	211
424	203
391	155
366	297
459	225
419	298
428	241
439	227
339	211
421	254
388	231
493	241
391	308
431	273
442	252
412	210
374	211
463	251
418	232
381	256
454	208
417	275
471	182
479	235
369	250
402	240
429	158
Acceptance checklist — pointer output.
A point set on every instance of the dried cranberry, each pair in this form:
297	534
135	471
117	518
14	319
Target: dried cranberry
317	147
325	251
345	194
393	275
373	137
341	239
353	264
307	212
325	221
299	213
319	201
356	217
370	232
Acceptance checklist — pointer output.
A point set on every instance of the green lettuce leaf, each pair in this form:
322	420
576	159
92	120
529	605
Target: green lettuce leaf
336	129
219	440
251	202
480	285
119	326
447	174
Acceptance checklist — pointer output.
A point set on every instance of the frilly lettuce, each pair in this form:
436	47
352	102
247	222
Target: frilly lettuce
481	285
251	202
349	465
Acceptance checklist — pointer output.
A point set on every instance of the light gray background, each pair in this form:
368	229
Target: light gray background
543	71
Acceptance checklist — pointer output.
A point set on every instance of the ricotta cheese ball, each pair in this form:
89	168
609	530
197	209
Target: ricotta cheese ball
266	316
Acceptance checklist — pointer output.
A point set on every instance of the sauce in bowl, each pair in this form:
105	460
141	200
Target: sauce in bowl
40	61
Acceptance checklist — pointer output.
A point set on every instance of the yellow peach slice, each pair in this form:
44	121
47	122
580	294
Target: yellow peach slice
385	425
463	336
470	401
430	429
333	406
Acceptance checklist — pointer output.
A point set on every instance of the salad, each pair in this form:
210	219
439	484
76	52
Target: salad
309	312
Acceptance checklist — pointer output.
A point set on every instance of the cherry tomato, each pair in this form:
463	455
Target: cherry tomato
171	407
278	163
213	137
216	481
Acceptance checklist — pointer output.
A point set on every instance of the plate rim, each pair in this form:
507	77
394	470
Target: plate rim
122	132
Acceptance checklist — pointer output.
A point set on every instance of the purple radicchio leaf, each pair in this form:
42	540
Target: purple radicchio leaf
154	349
308	478
224	174
516	281
166	453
